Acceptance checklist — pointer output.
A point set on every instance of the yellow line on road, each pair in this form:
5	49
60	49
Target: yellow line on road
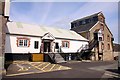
59	68
45	66
36	67
40	64
52	67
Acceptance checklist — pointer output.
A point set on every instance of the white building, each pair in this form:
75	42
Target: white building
25	38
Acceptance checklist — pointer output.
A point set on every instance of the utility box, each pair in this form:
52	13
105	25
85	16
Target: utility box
38	57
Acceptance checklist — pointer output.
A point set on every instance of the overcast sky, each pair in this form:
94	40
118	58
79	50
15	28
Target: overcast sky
60	14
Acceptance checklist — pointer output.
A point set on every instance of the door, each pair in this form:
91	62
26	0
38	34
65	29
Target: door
47	46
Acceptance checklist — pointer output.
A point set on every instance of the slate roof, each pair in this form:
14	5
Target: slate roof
87	17
37	30
85	27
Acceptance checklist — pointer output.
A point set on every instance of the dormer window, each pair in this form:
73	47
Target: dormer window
83	22
80	22
95	18
87	21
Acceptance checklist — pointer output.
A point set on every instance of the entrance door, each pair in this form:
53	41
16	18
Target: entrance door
47	46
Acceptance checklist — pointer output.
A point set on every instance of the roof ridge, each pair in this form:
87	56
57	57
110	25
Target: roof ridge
86	16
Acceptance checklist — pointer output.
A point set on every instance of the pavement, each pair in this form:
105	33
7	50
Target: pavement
71	69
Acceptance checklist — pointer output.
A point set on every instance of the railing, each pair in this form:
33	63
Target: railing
52	56
92	44
80	49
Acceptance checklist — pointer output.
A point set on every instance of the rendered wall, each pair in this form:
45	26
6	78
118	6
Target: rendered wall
11	46
74	45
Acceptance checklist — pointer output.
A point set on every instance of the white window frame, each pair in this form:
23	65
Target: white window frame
24	43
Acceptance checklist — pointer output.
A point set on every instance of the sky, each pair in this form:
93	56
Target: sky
61	14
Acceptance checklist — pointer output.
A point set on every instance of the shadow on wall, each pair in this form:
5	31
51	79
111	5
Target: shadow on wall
8	50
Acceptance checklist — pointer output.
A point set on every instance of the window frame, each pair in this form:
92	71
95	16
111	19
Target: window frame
25	42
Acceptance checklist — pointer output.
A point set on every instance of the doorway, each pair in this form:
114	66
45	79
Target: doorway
47	46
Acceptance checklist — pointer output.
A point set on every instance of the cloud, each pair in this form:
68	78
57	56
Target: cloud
39	15
109	9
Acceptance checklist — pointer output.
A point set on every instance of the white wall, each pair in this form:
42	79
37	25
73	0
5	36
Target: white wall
11	46
74	45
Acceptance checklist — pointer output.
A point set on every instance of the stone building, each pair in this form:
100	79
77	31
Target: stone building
88	26
4	15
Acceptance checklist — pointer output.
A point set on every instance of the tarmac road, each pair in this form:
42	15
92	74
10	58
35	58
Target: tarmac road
96	70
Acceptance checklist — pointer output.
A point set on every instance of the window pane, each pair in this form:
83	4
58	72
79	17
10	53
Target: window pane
20	42
36	43
66	44
25	42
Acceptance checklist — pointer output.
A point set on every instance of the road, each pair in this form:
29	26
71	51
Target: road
73	69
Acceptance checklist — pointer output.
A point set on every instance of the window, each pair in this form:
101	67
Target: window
80	22
56	46
87	21
108	38
100	38
23	42
20	42
95	18
83	22
65	44
108	46
36	44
